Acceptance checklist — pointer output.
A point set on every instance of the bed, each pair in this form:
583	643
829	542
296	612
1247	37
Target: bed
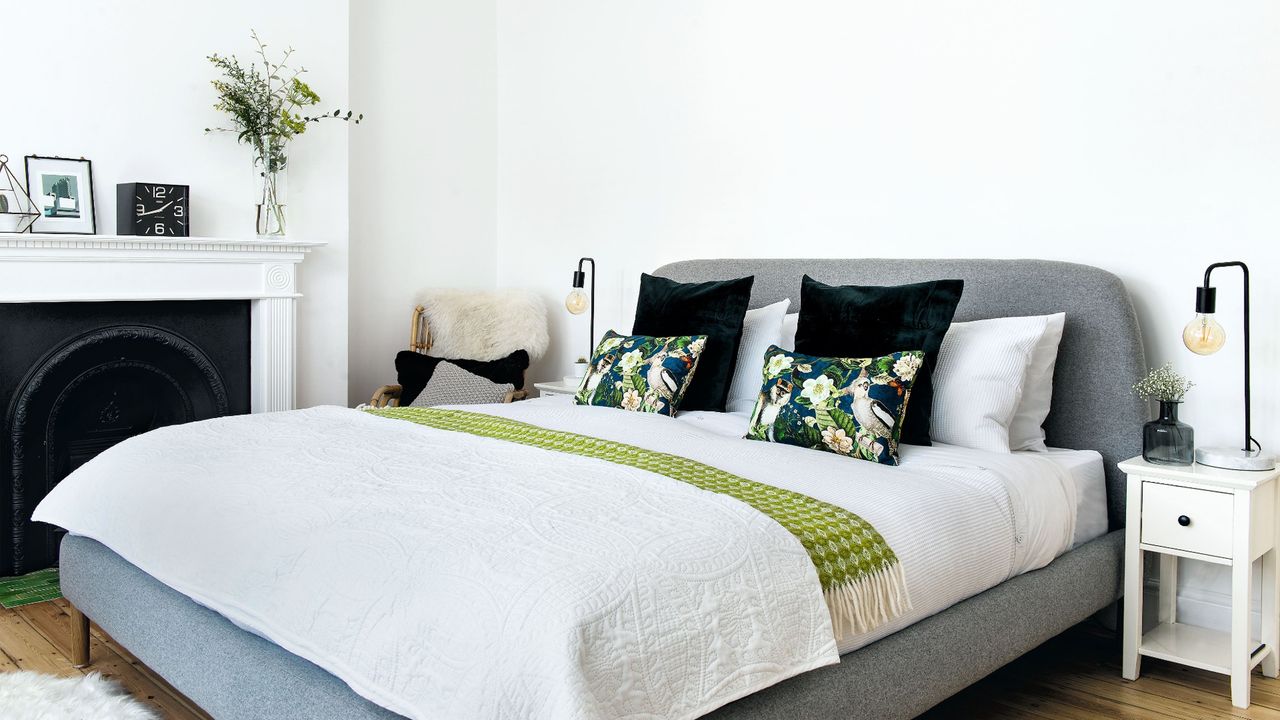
234	672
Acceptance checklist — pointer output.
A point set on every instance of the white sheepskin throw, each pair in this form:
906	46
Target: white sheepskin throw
26	695
485	324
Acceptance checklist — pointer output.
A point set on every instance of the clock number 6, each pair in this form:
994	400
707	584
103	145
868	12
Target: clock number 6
159	228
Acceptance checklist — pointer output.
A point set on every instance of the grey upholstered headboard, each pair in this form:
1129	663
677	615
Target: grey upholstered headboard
1100	357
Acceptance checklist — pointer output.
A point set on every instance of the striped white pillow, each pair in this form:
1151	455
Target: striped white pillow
1026	431
980	379
789	324
761	328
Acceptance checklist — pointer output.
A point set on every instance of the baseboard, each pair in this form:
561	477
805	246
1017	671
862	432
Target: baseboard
1202	607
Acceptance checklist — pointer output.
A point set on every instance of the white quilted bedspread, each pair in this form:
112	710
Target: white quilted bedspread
443	575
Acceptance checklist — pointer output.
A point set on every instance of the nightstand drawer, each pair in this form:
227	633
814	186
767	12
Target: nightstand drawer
1187	519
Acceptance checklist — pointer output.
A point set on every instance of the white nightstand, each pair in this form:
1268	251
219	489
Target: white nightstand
1226	517
559	387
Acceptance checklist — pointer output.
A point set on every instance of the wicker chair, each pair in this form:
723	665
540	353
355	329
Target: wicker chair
420	342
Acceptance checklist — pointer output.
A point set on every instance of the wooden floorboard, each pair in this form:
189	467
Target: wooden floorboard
1075	676
35	637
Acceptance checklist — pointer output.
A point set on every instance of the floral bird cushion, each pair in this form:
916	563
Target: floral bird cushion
641	373
848	406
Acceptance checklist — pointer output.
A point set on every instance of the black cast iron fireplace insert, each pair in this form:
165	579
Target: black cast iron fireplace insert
77	378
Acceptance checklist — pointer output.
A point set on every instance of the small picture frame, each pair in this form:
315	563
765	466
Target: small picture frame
62	189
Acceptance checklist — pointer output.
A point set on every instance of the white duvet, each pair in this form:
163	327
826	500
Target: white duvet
443	575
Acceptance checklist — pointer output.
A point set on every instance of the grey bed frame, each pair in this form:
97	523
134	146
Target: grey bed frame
235	674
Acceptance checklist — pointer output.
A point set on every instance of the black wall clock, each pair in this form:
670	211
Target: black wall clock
153	209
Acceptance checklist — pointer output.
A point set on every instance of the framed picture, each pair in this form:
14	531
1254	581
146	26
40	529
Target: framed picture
62	189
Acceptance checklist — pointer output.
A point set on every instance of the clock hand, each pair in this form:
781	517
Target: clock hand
159	209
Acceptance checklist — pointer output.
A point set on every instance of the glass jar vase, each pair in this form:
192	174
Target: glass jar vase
1165	440
271	203
271	186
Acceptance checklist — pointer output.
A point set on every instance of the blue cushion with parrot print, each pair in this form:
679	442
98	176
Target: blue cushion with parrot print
848	406
641	373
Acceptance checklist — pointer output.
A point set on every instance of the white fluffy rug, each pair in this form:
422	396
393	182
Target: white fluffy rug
29	695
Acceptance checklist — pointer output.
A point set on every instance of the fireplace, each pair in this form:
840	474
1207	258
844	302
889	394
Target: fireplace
103	337
77	378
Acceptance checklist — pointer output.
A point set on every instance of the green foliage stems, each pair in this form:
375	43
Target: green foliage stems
264	103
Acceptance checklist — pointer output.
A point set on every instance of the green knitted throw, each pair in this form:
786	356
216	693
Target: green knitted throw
861	577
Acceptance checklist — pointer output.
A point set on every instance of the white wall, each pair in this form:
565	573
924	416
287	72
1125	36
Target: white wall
423	193
1142	137
126	84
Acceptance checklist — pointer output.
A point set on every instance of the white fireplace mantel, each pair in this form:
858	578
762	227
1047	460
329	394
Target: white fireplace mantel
108	268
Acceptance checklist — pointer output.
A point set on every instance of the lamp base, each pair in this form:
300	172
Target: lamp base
1235	458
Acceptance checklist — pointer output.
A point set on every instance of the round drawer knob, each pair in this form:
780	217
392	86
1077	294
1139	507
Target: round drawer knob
1183	520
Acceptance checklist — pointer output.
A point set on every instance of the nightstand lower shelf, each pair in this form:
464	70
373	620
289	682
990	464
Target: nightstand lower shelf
1195	646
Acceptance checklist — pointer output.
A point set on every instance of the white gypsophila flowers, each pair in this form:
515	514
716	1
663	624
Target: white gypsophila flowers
1163	384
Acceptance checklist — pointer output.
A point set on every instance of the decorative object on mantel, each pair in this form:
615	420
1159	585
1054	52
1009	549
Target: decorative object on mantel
17	209
1165	440
578	302
1204	336
153	209
62	189
264	109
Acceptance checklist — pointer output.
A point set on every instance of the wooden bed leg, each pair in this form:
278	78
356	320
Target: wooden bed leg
79	637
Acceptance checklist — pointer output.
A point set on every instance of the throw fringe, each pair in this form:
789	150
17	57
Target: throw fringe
863	604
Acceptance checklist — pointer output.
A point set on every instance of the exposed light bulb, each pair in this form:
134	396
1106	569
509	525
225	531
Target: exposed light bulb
577	302
1203	335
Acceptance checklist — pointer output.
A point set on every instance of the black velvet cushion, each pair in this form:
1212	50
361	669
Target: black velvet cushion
873	320
413	370
716	309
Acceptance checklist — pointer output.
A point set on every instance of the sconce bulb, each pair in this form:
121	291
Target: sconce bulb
1203	335
577	302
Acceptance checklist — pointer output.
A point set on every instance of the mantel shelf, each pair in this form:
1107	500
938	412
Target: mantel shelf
53	241
46	268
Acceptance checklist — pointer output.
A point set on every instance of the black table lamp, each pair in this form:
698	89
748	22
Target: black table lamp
1204	336
578	302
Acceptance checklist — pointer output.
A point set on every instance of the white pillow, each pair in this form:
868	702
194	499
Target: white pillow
1025	432
761	328
789	324
979	379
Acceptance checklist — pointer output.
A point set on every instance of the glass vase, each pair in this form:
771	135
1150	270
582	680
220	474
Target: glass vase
1165	440
271	190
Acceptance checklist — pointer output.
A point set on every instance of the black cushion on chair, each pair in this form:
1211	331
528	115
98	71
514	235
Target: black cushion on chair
414	370
716	309
862	321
